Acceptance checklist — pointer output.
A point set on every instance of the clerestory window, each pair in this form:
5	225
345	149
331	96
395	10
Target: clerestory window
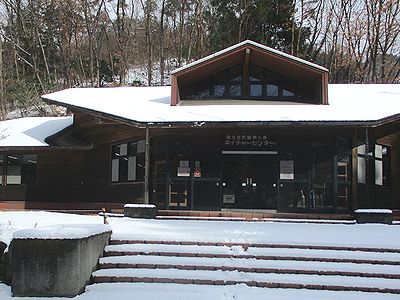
263	84
225	84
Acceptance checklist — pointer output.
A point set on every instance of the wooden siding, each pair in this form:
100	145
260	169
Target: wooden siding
97	131
393	141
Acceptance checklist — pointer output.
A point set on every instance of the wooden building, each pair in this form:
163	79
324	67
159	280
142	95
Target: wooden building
248	127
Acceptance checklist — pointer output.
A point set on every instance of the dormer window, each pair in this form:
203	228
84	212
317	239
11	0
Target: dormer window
249	71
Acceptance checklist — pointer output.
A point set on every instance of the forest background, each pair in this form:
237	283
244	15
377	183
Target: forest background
48	45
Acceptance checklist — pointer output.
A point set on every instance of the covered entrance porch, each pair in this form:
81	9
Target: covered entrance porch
291	172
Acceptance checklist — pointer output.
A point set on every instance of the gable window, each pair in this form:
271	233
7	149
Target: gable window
225	84
18	169
127	162
265	84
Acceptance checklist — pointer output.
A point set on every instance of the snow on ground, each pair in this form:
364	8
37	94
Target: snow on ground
166	291
365	235
357	235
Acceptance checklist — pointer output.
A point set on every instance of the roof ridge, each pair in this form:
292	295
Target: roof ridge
253	43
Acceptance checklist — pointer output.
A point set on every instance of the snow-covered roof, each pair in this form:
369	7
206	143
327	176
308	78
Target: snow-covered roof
31	132
347	102
249	42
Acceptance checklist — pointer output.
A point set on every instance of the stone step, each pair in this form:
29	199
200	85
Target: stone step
255	245
291	254
249	265
269	280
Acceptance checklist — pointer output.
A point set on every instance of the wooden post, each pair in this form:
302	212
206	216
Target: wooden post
354	181
147	166
246	71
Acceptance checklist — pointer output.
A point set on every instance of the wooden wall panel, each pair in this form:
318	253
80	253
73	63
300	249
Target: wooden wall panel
393	140
97	131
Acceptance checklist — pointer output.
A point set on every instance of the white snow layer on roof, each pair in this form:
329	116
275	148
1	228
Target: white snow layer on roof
249	42
31	131
347	102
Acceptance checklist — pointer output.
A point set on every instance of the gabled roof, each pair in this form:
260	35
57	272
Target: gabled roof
189	77
31	132
249	43
149	106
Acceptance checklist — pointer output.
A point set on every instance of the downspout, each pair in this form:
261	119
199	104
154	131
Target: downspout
147	166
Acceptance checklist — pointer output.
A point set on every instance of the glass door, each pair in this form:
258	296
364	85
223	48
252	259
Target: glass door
249	180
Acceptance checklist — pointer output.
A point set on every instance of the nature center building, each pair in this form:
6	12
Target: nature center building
248	127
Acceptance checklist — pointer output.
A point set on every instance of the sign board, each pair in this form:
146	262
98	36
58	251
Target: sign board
286	169
248	140
228	198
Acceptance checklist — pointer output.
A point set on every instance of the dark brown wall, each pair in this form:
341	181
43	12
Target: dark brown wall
393	140
97	131
80	176
58	178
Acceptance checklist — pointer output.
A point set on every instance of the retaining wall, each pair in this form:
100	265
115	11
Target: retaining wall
51	267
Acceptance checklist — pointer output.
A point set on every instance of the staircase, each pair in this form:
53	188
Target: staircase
259	265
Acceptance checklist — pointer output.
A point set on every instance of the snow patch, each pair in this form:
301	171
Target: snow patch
139	206
373	211
63	231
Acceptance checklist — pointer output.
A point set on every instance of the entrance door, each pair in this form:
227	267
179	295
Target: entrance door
250	179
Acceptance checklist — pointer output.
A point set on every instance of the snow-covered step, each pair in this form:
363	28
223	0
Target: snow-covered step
219	277
369	257
251	265
255	245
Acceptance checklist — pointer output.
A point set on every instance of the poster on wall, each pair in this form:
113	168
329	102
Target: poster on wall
197	169
286	169
183	172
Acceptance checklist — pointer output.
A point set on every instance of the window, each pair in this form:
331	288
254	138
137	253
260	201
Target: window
361	170
18	169
127	162
382	165
379	166
225	84
266	84
263	84
343	169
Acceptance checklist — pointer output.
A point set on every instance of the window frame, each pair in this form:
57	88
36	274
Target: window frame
277	81
4	173
371	167
204	89
139	160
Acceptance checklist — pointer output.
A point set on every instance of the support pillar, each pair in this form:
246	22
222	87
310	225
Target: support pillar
354	180
147	166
